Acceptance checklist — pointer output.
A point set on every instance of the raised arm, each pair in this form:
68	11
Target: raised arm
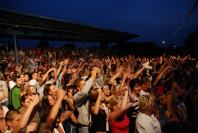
81	65
60	67
47	73
115	114
66	61
89	83
112	80
96	107
54	111
74	119
65	115
123	80
82	94
161	73
69	103
137	73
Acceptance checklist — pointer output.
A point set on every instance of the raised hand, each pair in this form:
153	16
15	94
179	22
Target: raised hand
60	94
99	91
95	69
35	100
53	69
81	59
125	88
66	61
61	63
120	69
146	65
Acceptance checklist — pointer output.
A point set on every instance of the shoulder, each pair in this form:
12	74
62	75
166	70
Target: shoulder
16	88
143	119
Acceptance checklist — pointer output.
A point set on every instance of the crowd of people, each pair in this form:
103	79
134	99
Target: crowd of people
91	91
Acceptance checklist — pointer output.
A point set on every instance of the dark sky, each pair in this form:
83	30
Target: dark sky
153	20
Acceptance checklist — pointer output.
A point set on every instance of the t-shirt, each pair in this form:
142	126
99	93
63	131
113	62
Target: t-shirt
147	124
15	97
120	126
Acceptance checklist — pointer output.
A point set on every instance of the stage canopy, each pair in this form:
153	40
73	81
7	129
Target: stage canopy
27	26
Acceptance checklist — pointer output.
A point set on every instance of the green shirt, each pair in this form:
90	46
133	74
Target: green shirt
15	97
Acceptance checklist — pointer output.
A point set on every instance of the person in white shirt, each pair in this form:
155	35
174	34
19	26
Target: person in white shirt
146	122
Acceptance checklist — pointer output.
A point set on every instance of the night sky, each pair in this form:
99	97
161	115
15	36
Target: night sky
154	20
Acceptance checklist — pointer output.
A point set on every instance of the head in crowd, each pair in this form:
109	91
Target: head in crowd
80	83
17	79
70	90
34	75
67	79
12	118
26	77
115	104
145	84
26	100
94	95
135	86
146	104
106	90
50	89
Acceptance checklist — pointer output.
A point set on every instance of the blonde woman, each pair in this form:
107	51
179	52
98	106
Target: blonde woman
118	120
146	122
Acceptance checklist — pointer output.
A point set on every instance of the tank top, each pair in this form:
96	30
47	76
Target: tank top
99	121
120	126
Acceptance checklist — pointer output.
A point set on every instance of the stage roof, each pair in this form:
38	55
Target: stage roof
28	26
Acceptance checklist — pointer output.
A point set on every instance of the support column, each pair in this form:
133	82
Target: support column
7	49
15	50
85	49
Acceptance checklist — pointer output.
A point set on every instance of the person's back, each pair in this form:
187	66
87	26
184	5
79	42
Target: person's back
120	126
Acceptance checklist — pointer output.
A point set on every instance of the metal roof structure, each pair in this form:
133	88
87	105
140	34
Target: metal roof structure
27	26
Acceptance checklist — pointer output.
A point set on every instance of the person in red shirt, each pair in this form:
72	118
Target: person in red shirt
118	120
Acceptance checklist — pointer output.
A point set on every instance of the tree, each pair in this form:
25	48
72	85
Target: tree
191	42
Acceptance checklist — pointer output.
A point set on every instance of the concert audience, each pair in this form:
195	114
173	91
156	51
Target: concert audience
67	91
